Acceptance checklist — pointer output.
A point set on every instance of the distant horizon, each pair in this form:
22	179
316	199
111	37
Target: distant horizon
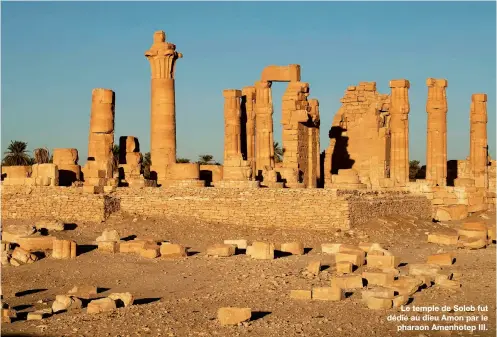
48	72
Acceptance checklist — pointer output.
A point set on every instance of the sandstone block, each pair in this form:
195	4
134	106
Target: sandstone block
333	248
472	243
344	267
444	238
61	303
150	251
378	278
221	250
36	243
240	244
378	261
473	233
294	248
84	291
109	235
101	305
406	285
327	294
37	315
301	294
356	258
400	300
491	233
347	282
477	226
378	303
233	316
424	269
445	259
64	249
377	292
22	256
134	246
262	251
451	212
50	225
449	284
108	246
126	298
172	250
314	267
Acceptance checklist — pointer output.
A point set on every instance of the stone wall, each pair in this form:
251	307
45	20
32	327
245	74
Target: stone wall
65	203
258	207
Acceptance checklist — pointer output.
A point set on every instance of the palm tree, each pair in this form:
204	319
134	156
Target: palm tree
278	153
42	156
115	153
182	160
413	169
205	159
16	154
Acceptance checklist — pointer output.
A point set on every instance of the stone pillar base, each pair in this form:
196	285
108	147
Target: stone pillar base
273	184
139	182
238	184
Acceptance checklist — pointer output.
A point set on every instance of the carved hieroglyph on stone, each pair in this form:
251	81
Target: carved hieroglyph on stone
478	153
162	57
99	167
264	126
436	142
399	129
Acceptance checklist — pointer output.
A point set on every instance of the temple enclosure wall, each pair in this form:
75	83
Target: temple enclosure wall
258	207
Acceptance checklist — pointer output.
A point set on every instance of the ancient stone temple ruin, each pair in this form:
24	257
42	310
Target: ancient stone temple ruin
362	171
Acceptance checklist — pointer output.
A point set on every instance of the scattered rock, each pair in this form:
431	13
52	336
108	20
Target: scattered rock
233	316
101	305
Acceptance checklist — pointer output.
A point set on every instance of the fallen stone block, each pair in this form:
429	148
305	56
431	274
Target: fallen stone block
427	280
84	291
221	250
451	212
424	269
172	250
333	248
109	235
8	314
446	259
356	258
378	303
380	261
64	249
395	272
400	300
50	225
440	278
491	233
134	246
301	294
108	246
472	243
347	282
240	244
377	292
473	233
150	251
262	251
378	278
22	256
233	316
374	249
406	285
11	233
327	294
344	267
445	238
101	305
36	243
39	314
449	284
66	303
126	298
314	267
477	226
294	248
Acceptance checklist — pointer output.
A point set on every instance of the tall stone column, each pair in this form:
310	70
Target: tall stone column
399	126
478	153
316	120
232	125
162	57
264	126
101	138
436	142
249	93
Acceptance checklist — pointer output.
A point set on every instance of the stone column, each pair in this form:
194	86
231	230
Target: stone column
232	125
399	125
436	142
100	164
249	93
264	126
478	153
162	57
316	121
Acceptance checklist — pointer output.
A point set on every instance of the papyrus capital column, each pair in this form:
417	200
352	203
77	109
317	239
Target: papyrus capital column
232	125
436	142
162	56
264	125
399	125
249	94
478	153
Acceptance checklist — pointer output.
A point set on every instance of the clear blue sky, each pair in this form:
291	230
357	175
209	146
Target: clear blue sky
54	54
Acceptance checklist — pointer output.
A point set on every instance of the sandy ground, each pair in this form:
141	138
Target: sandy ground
180	297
